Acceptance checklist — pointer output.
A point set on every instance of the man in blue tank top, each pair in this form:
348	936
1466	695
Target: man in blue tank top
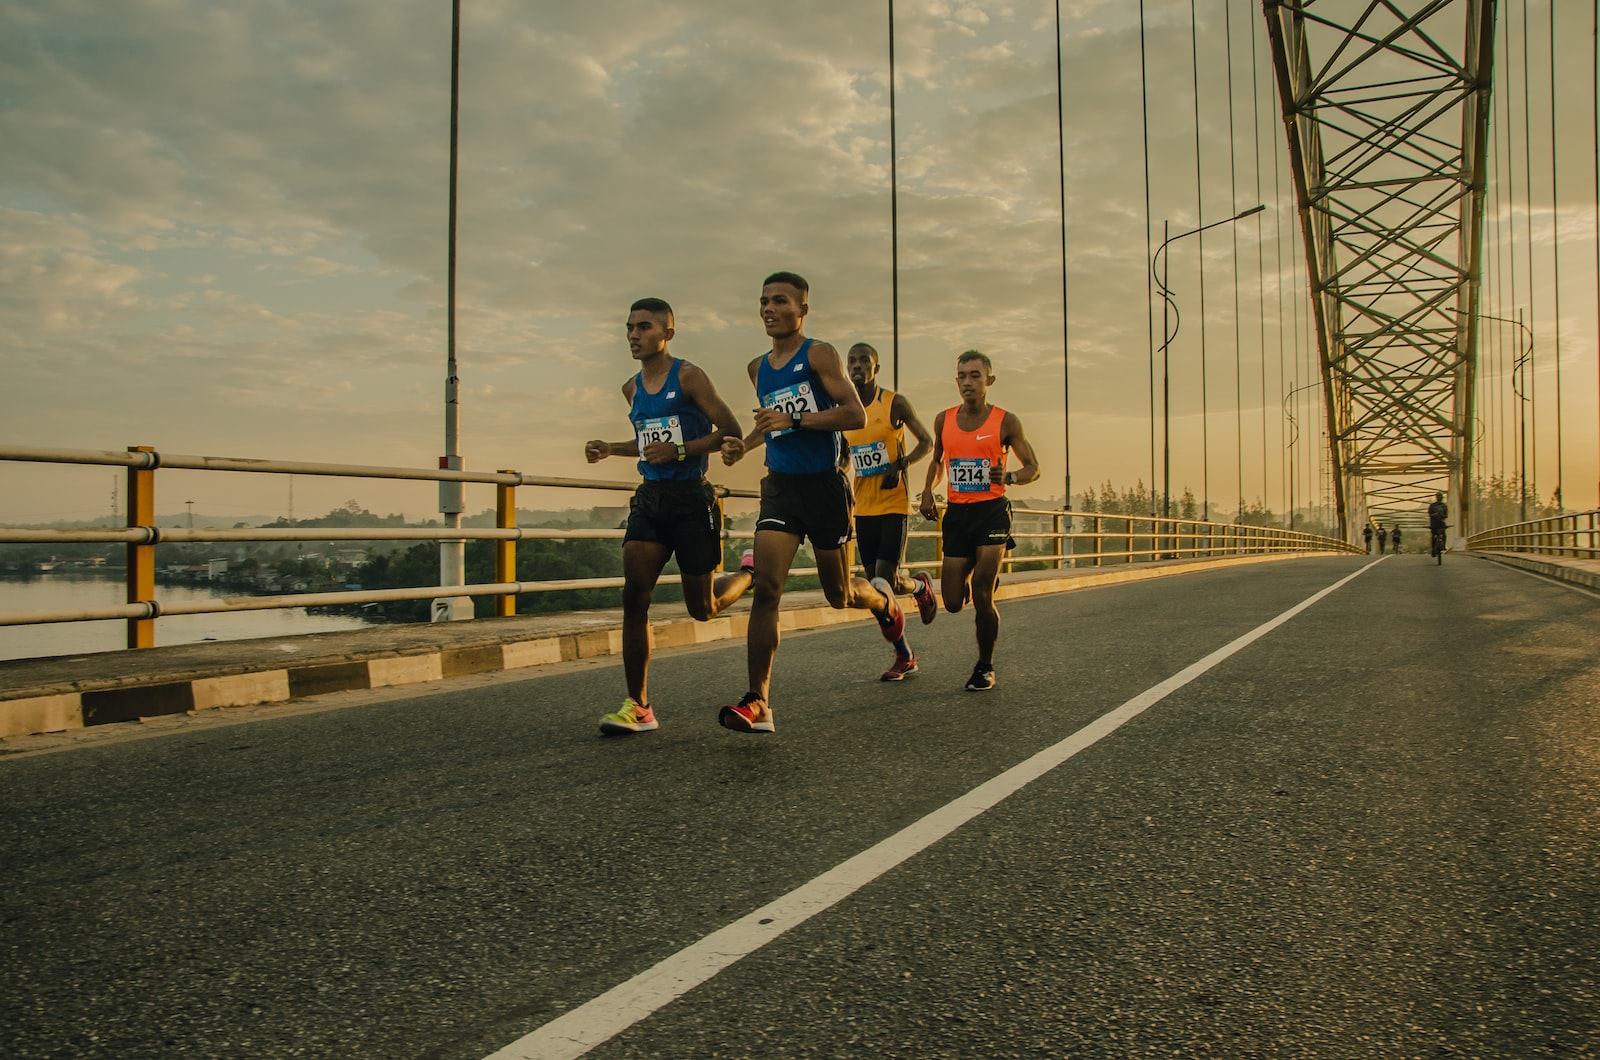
678	419
806	400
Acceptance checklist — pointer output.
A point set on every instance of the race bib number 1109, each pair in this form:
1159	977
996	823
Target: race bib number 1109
870	458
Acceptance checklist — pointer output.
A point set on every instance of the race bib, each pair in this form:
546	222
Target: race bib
791	399
969	475
870	458
667	429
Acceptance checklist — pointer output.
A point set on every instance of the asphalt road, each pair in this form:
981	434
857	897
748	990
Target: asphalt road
1374	831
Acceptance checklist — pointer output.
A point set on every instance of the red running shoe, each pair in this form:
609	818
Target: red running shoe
902	667
927	606
750	714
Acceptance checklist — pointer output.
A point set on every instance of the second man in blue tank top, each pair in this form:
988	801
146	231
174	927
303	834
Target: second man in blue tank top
806	400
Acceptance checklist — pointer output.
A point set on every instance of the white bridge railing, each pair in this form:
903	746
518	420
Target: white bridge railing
1048	537
1575	536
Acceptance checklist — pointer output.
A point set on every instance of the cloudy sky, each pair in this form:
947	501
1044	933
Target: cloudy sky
223	230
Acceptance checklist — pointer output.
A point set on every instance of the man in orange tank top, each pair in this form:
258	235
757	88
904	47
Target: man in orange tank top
970	444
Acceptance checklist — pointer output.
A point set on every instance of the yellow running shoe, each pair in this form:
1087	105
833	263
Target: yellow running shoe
631	718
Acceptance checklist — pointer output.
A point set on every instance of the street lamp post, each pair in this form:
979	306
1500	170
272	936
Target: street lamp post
1519	381
1169	331
452	494
1294	437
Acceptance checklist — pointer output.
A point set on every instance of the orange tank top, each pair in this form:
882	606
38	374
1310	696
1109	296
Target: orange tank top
970	454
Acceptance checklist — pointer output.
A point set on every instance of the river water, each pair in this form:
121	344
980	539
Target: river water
50	592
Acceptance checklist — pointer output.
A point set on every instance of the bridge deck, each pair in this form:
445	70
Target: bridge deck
1333	807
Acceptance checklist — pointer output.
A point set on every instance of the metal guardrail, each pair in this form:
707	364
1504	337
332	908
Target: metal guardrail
1105	538
1575	536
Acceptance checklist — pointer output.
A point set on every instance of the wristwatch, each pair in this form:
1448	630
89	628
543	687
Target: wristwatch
796	417
683	453
1008	479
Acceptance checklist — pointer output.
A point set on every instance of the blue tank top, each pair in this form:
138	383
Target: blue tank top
668	415
795	388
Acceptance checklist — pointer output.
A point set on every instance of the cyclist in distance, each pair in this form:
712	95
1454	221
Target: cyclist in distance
1438	516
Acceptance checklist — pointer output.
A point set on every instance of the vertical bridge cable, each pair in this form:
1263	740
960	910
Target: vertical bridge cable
1200	223
1555	254
1530	378
1233	231
894	216
1511	227
1261	273
1066	388
1149	281
1277	271
1494	403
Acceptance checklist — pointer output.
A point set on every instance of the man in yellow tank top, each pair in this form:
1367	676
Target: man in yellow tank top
876	455
970	442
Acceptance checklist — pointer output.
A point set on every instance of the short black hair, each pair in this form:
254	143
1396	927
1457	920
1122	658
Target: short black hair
869	347
974	355
651	305
793	279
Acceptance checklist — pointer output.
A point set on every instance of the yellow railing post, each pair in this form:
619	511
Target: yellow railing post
141	558
505	551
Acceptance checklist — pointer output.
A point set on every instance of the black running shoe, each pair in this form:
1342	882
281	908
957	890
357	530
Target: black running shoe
982	678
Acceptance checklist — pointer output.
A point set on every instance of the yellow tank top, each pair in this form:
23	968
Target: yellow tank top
873	451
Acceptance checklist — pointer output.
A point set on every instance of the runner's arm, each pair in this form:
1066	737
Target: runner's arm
902	412
927	505
1011	437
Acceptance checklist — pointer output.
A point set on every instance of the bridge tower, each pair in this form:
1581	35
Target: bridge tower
1386	111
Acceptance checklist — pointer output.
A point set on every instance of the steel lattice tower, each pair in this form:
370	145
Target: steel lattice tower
1386	112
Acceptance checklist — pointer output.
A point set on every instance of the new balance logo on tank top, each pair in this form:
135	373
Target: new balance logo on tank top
970	454
796	388
668	415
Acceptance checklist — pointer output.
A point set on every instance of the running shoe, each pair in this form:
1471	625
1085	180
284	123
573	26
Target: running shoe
750	714
631	718
982	678
892	622
902	667
747	562
927	606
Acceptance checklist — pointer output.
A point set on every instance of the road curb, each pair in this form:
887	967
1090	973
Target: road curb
66	704
1579	572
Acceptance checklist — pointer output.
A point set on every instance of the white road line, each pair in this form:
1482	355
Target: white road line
576	1032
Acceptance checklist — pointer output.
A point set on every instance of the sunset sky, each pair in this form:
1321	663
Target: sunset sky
223	230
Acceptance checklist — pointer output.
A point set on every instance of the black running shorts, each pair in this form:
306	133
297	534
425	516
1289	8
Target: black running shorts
813	506
969	527
880	539
682	516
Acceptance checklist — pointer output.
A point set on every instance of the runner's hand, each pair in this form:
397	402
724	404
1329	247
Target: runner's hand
732	450
596	451
660	453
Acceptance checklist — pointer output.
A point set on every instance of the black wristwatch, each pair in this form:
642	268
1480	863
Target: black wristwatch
683	453
796	417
